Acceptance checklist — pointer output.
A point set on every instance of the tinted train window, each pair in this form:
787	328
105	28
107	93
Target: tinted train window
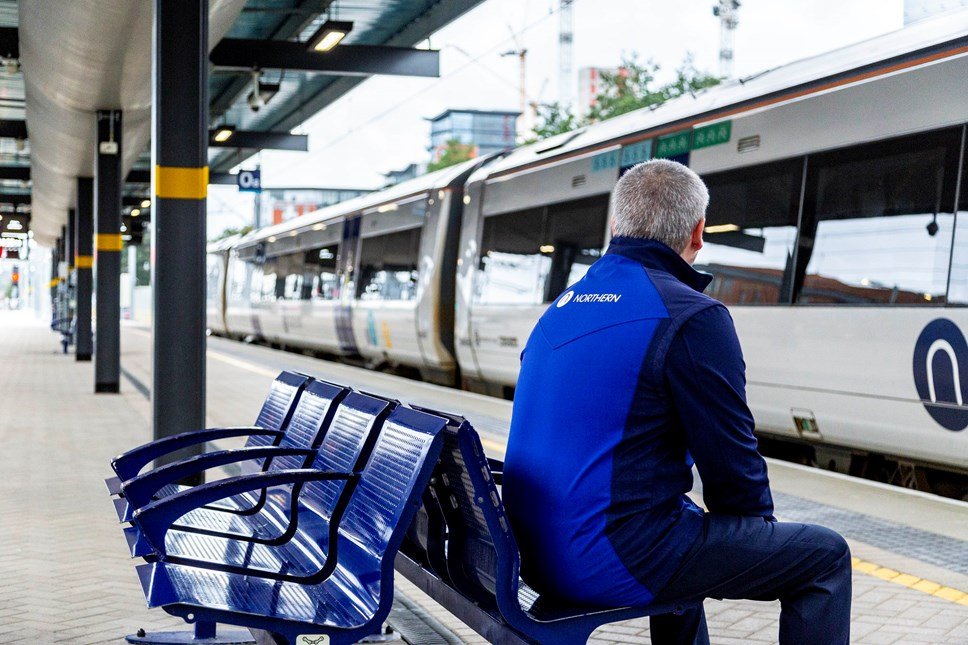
751	228
325	281
388	266
214	269
574	237
241	278
264	282
529	257
878	222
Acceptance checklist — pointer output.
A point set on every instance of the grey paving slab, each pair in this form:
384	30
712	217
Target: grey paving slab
66	578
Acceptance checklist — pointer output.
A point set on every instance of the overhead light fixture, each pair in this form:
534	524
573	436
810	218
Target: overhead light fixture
329	35
145	203
15	225
11	65
224	133
21	145
722	228
135	212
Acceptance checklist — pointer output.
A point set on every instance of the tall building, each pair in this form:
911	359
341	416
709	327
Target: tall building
282	204
487	130
590	85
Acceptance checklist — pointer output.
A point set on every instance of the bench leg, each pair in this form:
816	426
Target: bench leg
204	634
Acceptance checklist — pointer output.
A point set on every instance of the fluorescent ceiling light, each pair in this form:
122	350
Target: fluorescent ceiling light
224	133
145	203
135	212
722	228
329	35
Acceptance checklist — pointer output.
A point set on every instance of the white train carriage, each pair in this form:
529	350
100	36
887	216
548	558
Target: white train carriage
837	234
365	278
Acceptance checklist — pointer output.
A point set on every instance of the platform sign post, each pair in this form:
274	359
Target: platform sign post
107	243
83	263
179	147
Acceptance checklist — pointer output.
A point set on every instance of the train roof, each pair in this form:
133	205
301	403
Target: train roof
424	183
947	33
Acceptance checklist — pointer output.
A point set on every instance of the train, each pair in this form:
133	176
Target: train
837	235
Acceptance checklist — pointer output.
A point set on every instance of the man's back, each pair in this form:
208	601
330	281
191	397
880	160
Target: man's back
598	461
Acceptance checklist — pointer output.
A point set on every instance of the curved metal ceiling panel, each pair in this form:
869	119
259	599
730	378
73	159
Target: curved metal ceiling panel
79	57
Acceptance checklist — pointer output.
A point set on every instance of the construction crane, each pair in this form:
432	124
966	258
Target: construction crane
727	12
565	37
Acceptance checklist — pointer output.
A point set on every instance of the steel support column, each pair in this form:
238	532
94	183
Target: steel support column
70	250
107	216
84	262
180	156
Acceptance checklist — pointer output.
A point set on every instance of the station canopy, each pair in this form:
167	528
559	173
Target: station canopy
63	61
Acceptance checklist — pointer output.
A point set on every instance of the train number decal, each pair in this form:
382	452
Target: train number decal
941	373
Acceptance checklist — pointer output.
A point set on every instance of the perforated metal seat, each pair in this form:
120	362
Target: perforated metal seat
356	598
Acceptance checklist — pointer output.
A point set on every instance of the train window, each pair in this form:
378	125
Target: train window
388	266
751	228
264	282
958	281
878	223
213	263
325	281
241	278
574	236
512	269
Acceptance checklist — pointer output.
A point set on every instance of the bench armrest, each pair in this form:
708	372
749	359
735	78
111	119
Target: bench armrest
130	463
156	518
497	469
139	490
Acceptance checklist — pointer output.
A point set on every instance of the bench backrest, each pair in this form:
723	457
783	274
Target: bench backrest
279	406
310	421
386	500
345	447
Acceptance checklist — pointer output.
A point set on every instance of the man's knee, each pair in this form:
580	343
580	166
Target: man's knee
833	544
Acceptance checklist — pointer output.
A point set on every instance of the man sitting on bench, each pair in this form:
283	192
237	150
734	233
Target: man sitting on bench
627	378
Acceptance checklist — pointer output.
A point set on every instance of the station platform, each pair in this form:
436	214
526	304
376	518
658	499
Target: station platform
66	578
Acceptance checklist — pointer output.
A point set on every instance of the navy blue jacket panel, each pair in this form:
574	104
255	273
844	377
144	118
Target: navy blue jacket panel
630	374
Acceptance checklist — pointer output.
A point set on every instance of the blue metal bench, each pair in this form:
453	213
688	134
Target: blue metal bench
295	527
462	553
268	430
315	424
355	599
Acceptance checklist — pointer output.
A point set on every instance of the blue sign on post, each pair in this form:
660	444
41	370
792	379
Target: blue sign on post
250	181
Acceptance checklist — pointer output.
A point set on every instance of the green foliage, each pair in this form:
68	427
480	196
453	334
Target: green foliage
631	87
229	232
454	153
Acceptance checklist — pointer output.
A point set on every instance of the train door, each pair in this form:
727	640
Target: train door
347	263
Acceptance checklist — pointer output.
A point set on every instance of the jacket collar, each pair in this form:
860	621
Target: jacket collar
656	255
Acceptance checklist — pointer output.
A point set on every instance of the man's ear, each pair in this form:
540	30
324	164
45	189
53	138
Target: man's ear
695	242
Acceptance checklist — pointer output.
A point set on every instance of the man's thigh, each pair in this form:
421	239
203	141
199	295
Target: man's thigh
749	557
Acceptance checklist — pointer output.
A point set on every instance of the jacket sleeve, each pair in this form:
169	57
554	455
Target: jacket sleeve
706	377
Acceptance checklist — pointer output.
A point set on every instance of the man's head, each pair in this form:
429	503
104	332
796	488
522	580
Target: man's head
664	201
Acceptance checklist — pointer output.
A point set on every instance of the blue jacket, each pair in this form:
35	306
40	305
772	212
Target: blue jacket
627	377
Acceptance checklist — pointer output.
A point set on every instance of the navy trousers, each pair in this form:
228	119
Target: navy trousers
806	567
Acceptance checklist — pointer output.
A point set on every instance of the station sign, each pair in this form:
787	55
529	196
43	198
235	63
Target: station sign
636	153
249	181
682	142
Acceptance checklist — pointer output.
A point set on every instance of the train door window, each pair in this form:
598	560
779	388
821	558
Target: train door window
213	263
878	222
289	284
388	266
512	270
325	282
573	239
958	280
751	229
265	291
240	278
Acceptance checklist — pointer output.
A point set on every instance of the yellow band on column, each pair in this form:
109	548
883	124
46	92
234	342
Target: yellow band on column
84	261
107	241
172	182
54	282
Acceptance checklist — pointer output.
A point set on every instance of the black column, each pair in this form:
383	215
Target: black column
180	152
107	215
54	281
83	263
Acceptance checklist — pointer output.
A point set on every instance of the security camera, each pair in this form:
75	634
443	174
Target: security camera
255	100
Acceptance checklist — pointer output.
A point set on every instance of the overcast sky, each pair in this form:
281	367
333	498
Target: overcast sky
381	125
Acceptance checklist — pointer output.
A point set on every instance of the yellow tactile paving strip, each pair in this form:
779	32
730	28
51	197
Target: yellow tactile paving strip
911	582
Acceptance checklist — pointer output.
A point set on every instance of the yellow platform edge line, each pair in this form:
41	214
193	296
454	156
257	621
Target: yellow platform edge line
911	582
174	182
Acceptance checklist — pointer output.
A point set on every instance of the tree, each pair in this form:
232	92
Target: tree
552	119
631	87
229	232
454	153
